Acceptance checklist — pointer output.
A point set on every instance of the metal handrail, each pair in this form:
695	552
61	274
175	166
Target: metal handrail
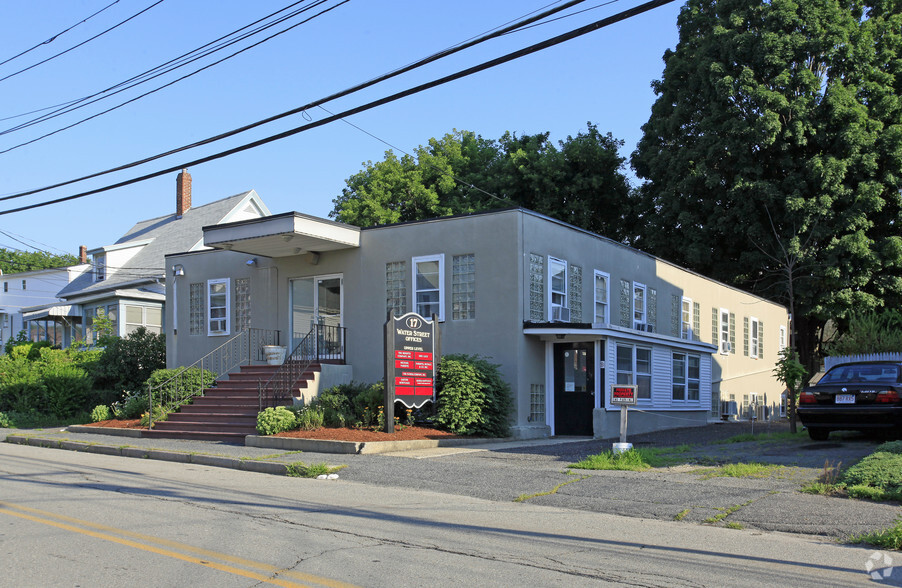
322	342
191	381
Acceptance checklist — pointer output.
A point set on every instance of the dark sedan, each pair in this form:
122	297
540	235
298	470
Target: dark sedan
858	396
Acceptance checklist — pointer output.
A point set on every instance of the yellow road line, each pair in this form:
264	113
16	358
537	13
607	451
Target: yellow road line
45	517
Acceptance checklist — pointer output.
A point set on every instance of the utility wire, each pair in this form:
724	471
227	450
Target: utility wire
59	34
302	109
162	69
82	43
605	22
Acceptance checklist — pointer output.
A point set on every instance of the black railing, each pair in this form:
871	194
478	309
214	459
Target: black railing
191	381
322	343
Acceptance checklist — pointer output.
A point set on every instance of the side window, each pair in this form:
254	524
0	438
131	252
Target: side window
724	331
428	285
602	302
638	305
557	277
218	305
686	331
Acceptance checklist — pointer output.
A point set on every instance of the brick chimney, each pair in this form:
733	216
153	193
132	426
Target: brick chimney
182	193
82	254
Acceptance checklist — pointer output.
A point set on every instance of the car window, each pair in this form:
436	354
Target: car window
862	373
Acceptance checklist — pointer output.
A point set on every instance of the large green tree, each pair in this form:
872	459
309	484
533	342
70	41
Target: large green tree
12	261
579	180
773	154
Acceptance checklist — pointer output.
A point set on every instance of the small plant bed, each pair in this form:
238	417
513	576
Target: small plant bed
413	433
877	477
635	460
118	424
740	470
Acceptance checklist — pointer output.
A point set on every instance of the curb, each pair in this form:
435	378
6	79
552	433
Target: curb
263	467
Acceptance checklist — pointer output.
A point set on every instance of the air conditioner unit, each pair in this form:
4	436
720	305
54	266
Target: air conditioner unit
560	314
641	326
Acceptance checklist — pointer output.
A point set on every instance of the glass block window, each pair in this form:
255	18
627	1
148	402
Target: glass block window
396	287
576	293
625	304
463	287
536	403
536	287
196	309
242	304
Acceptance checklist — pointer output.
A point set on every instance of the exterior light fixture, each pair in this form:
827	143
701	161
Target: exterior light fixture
251	261
178	270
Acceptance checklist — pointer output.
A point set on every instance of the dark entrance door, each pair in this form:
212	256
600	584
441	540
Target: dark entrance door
574	388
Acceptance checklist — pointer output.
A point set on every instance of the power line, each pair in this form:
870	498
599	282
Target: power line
83	42
59	34
368	106
302	109
160	70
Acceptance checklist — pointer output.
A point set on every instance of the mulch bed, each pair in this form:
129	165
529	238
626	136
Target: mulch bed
117	424
361	435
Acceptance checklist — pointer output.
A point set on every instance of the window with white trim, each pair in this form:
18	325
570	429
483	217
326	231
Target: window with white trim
782	338
602	294
218	306
724	331
634	367
557	278
99	268
753	337
428	285
686	377
638	305
686	319
148	317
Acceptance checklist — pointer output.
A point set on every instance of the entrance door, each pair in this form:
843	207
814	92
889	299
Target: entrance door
574	388
317	301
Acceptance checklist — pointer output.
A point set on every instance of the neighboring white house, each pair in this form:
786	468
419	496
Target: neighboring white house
35	292
127	279
564	312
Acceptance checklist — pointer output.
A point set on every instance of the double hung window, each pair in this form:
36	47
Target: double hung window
218	307
601	297
638	305
686	319
428	285
557	275
634	367
753	337
686	377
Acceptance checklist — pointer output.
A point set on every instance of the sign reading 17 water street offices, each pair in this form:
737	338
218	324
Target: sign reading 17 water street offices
411	357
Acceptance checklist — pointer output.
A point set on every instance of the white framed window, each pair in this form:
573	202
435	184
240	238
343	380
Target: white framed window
602	296
557	281
686	377
148	317
429	285
753	337
686	320
782	338
24	284
218	305
99	268
639	305
724	331
634	367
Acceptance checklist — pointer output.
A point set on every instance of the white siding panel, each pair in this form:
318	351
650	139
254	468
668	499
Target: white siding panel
705	384
661	377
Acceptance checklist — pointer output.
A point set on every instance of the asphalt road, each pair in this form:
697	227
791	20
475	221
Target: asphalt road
83	519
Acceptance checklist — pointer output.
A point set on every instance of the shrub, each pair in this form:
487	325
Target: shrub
275	420
67	388
890	447
128	362
180	390
309	418
101	412
336	408
5	422
473	399
132	406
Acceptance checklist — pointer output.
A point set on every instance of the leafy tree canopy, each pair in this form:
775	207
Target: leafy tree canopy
773	154
12	261
580	180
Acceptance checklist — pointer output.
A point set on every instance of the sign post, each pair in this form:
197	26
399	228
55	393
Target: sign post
412	353
624	396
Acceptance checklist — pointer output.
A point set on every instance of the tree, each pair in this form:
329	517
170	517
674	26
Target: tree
12	261
580	180
791	374
772	154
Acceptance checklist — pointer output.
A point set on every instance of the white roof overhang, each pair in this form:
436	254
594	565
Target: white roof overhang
282	235
561	332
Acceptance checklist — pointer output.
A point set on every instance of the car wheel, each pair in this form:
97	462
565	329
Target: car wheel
817	434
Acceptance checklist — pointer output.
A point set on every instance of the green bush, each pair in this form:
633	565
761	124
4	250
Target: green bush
21	386
128	362
890	447
67	388
309	418
132	406
101	412
473	399
337	410
175	392
275	420
5	422
879	470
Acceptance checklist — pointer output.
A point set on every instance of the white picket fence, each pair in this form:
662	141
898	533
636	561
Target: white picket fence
829	362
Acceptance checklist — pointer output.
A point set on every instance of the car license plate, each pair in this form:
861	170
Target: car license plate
845	399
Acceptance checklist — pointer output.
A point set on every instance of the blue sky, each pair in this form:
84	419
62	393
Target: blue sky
603	77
